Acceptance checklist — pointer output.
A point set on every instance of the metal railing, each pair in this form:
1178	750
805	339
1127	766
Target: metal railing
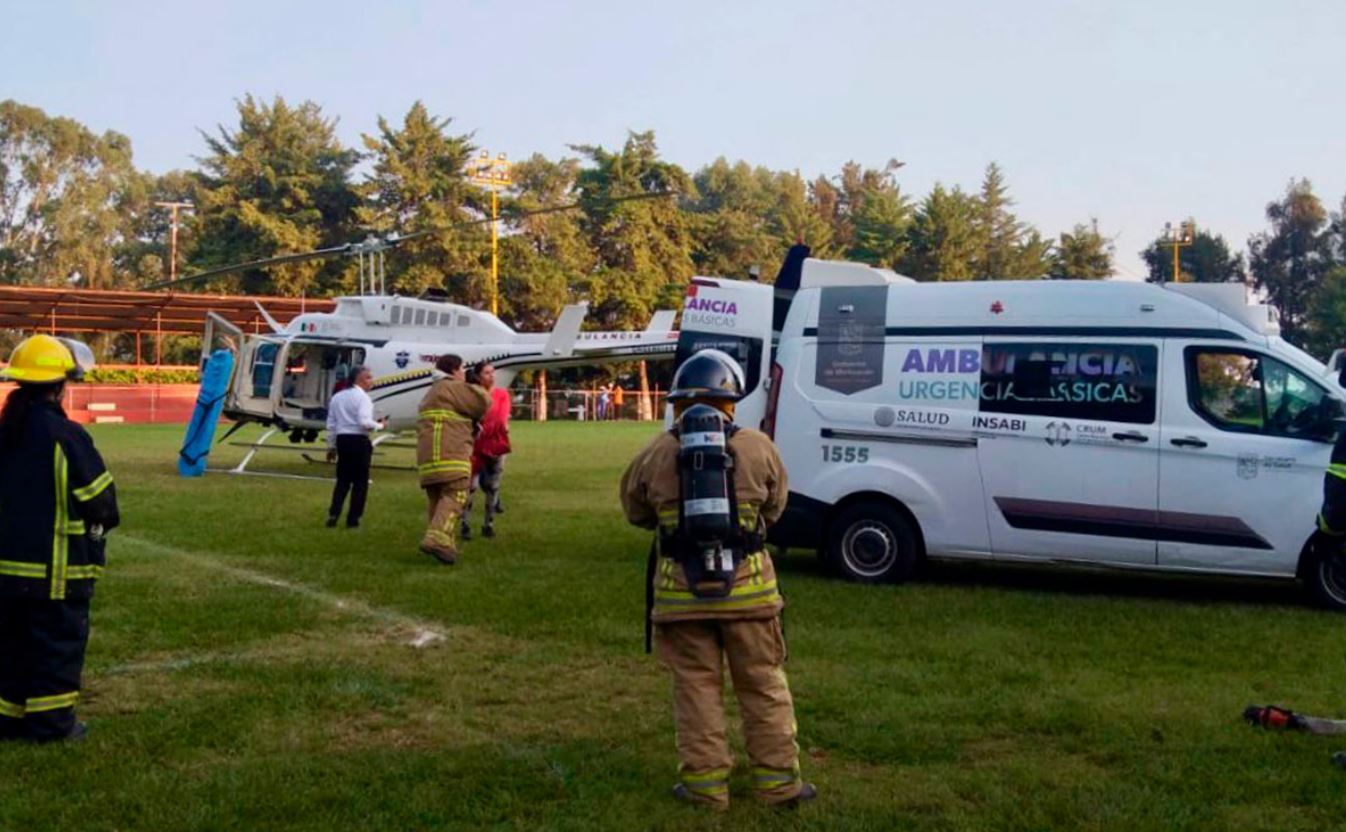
586	405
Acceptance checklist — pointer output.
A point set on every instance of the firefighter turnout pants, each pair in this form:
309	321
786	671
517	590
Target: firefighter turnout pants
696	652
446	500
42	645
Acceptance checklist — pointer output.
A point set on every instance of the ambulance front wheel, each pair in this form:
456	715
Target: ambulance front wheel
871	542
1326	581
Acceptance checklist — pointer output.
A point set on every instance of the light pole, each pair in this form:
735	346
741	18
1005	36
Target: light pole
1178	237
493	174
173	235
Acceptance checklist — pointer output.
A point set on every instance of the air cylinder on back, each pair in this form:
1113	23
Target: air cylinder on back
704	465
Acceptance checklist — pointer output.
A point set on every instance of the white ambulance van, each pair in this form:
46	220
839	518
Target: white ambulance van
1105	423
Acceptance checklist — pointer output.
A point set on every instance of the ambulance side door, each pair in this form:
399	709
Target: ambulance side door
1068	443
1242	460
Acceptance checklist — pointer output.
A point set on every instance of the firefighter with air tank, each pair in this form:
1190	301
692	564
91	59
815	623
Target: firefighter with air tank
710	489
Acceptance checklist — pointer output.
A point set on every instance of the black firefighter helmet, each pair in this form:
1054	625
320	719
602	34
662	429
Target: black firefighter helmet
708	375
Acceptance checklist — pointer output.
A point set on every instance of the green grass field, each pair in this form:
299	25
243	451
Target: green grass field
250	669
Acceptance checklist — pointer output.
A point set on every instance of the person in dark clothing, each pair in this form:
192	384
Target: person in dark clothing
350	419
57	503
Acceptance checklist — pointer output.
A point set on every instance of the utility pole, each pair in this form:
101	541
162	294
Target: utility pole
1178	237
493	174
173	235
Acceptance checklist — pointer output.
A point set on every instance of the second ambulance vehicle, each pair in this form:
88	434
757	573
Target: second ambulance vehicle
1082	422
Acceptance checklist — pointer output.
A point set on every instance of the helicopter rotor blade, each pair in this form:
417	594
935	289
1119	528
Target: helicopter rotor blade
265	262
555	209
390	240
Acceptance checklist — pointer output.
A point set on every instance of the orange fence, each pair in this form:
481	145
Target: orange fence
126	403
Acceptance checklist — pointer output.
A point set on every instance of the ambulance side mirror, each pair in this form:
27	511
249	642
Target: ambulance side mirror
1336	365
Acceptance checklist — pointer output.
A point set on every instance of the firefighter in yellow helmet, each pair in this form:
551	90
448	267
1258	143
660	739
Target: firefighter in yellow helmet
57	502
710	489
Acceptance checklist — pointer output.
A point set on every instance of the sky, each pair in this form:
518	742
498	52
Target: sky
1135	113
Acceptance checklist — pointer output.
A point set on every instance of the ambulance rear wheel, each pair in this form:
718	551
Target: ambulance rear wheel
871	543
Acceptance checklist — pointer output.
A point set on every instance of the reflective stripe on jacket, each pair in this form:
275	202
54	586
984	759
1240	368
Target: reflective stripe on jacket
53	487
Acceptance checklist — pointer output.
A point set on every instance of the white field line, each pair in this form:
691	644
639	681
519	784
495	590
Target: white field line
181	664
423	633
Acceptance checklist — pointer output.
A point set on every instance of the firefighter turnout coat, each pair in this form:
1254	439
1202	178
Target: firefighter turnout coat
444	430
54	488
651	492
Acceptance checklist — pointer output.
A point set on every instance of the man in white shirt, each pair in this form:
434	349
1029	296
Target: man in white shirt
350	420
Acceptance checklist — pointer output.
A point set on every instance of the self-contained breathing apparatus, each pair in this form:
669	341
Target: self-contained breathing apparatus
709	541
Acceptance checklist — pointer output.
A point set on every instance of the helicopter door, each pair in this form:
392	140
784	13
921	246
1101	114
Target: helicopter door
222	334
255	389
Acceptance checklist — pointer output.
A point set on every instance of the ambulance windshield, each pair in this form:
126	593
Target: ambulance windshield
746	351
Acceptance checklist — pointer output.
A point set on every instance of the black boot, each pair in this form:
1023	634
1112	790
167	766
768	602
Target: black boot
807	793
78	732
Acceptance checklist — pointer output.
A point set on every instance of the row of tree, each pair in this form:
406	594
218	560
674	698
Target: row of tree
74	209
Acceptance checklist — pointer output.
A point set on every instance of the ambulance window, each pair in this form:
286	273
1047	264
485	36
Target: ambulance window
1250	393
746	351
1102	382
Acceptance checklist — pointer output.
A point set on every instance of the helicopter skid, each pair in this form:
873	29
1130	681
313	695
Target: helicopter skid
306	453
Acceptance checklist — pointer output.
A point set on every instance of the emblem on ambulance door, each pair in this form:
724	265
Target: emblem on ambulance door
1248	466
1058	434
851	339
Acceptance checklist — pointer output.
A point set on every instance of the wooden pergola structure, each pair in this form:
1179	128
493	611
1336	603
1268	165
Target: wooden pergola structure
33	309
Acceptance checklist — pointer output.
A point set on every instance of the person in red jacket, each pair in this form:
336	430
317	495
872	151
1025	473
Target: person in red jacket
488	452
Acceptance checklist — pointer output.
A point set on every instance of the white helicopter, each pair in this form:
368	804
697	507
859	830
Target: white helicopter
284	378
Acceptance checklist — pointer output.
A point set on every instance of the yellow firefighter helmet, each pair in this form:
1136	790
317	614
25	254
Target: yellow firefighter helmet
41	359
